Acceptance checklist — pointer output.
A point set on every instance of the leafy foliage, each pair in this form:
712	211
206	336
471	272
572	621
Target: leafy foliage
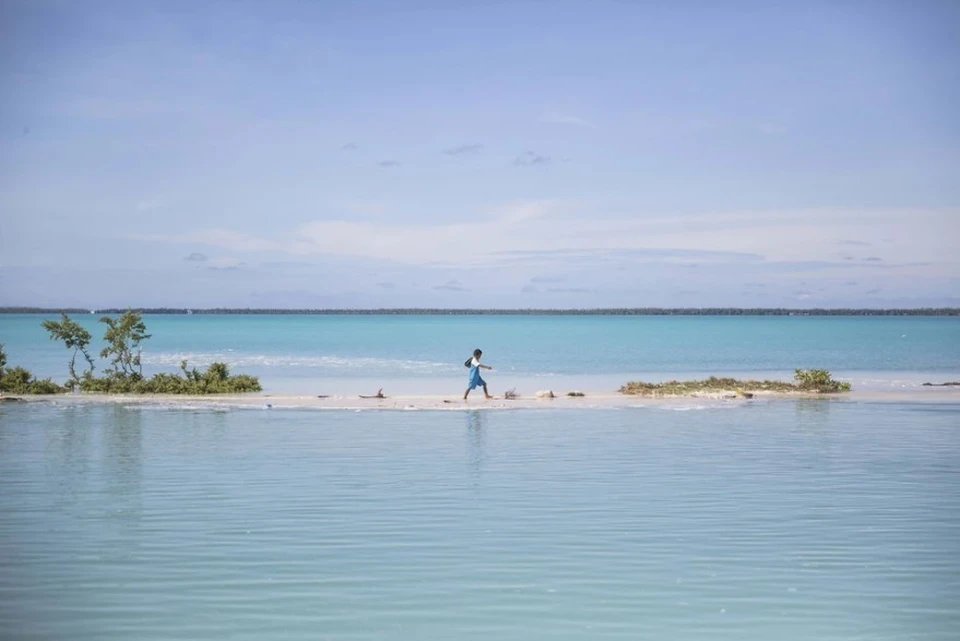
17	380
123	337
817	380
216	379
74	337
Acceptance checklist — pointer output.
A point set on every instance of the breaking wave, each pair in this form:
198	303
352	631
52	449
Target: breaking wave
289	361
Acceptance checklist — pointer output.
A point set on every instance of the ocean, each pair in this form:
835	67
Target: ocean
425	354
810	518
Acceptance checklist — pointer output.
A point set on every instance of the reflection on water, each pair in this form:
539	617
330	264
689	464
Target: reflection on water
123	450
775	521
813	410
475	440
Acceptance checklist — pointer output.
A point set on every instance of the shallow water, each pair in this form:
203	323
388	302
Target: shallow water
425	354
809	519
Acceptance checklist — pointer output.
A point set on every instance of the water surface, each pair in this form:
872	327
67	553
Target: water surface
809	519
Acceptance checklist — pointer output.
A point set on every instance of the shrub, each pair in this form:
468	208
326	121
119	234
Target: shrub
814	380
819	380
124	336
18	380
216	379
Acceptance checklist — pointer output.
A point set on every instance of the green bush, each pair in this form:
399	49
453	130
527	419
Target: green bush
818	380
215	380
18	380
813	380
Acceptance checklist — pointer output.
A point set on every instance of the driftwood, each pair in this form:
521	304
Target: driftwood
947	384
379	394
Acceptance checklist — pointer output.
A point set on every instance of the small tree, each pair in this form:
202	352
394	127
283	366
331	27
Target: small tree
74	337
123	338
3	362
819	380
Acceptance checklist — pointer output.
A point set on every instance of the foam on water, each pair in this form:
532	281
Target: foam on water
237	359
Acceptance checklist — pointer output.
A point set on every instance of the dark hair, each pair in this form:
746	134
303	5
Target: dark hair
469	361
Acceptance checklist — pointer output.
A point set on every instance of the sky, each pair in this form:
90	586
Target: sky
479	154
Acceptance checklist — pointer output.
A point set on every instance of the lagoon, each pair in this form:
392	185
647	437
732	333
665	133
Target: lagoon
790	519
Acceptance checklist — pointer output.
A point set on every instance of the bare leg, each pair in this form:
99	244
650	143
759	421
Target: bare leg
466	393
485	392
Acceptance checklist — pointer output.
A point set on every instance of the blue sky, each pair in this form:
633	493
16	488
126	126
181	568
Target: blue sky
474	154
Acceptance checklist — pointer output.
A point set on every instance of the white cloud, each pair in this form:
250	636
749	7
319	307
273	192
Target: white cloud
551	232
555	118
225	262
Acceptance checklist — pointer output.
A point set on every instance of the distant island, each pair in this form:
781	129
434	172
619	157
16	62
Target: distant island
611	311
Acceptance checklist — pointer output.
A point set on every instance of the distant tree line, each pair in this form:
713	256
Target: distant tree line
609	311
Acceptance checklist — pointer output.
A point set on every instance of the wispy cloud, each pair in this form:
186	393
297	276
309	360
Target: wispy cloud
571	290
385	285
350	146
462	150
196	257
225	263
873	259
389	163
556	118
853	243
544	235
451	286
529	158
147	205
591	254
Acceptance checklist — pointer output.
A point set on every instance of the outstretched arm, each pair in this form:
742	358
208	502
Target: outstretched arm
486	367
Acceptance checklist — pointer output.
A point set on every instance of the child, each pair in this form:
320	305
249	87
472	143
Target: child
475	380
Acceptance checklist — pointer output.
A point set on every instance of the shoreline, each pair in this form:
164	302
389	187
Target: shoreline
406	402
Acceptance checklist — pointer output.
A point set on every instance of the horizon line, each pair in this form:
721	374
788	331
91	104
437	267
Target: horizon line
784	311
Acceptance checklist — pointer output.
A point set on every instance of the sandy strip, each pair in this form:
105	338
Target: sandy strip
591	400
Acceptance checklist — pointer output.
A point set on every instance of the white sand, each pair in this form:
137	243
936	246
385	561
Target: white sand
591	400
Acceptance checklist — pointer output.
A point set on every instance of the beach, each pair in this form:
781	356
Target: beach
561	401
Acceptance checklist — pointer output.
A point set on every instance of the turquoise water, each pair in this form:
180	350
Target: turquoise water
812	519
419	353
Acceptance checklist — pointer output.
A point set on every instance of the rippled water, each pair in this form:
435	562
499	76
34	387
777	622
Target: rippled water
810	519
